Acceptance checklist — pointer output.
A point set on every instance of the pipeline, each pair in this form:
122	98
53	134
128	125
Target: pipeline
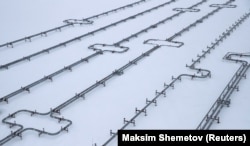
79	38
70	22
201	73
224	98
118	72
99	52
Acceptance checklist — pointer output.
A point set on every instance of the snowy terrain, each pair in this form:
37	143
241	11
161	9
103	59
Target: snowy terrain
105	107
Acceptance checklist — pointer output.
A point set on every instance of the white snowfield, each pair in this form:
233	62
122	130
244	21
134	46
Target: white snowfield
96	112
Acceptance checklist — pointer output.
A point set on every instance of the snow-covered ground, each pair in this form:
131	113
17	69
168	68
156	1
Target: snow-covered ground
105	107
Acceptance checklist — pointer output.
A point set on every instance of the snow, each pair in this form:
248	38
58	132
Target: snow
105	107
